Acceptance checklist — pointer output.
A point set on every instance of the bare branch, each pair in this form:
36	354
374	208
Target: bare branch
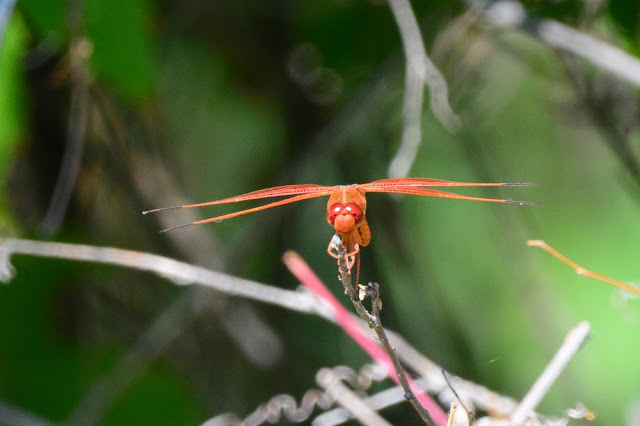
419	70
179	273
572	343
424	406
512	14
12	415
184	274
346	398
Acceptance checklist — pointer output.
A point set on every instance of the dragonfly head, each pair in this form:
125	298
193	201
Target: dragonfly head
344	217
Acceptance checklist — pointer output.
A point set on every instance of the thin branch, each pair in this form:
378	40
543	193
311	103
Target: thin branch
470	414
572	343
419	70
179	273
184	274
12	415
423	405
512	14
348	399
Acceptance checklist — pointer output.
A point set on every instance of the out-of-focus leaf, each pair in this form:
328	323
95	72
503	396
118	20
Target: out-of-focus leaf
47	18
625	15
122	55
12	106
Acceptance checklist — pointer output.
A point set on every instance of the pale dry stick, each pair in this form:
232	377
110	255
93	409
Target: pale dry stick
283	407
395	395
452	413
179	273
344	396
576	338
470	413
13	415
280	408
579	269
419	70
373	321
512	14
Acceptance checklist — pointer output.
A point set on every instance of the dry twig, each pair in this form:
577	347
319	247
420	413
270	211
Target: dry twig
419	71
512	14
572	343
184	274
412	393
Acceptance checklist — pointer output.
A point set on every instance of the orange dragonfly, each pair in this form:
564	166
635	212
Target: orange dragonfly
347	205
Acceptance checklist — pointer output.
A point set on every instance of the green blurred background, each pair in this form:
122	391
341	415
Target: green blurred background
198	100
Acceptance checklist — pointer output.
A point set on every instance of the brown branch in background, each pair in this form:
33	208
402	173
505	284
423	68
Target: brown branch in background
374	322
75	67
419	70
256	340
78	67
153	183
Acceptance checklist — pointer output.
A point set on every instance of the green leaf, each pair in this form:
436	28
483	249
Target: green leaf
121	33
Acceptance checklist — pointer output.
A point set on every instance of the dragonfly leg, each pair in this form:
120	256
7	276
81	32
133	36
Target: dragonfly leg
351	256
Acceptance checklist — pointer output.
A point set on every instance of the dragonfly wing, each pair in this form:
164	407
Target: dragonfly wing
277	191
436	193
290	200
417	182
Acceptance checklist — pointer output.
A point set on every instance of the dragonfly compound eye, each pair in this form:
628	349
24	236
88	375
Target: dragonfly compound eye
334	211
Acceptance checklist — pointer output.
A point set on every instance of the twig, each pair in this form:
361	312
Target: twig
419	70
387	356
12	415
412	392
580	270
470	414
572	343
346	398
603	55
179	273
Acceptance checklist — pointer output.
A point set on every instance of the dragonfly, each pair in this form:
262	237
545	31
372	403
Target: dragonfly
347	204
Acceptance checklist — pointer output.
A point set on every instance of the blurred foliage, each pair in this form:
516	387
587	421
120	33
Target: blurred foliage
204	100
